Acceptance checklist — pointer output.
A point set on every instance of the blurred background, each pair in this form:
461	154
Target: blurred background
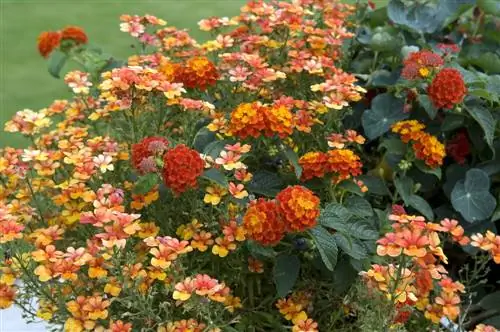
25	82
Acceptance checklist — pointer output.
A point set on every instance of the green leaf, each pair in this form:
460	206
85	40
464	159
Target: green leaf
145	183
404	187
203	138
216	176
352	247
419	17
213	149
383	78
265	183
452	122
57	60
359	206
294	160
259	250
334	216
421	205
426	169
286	272
489	6
393	145
426	103
490	301
484	118
361	229
385	111
471	197
327	247
375	185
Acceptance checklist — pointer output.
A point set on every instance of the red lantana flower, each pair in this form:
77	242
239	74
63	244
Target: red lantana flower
420	64
458	147
198	72
48	41
75	34
181	169
263	223
299	208
447	88
143	153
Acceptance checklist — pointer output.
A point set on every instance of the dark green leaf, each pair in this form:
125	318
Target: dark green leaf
427	105
56	63
394	145
203	138
259	250
351	246
471	197
452	122
334	216
214	148
327	247
383	78
421	205
359	206
404	187
265	183
351	187
426	169
385	111
419	17
145	183
294	160
216	176
286	272
375	185
484	118
491	301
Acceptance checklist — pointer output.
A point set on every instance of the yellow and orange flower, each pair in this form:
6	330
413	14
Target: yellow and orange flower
263	223
299	208
429	149
314	165
408	129
344	163
247	120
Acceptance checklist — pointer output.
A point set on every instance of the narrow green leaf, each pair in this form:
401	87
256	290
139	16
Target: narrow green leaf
426	103
286	272
327	247
421	205
484	118
57	60
404	187
294	160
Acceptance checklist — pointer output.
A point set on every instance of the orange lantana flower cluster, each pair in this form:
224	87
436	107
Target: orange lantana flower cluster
255	119
294	210
422	280
48	41
342	163
425	146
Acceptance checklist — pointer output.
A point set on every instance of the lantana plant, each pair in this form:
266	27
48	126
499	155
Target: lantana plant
263	180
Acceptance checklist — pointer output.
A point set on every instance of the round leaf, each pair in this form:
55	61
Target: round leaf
471	197
385	111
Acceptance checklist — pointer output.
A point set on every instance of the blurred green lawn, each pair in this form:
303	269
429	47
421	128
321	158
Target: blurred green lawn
24	81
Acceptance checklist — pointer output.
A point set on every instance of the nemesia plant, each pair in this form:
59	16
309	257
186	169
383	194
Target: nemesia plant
245	182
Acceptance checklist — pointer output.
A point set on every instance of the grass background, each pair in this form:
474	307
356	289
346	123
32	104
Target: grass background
24	80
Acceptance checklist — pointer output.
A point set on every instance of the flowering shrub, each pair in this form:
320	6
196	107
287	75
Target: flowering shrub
244	183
